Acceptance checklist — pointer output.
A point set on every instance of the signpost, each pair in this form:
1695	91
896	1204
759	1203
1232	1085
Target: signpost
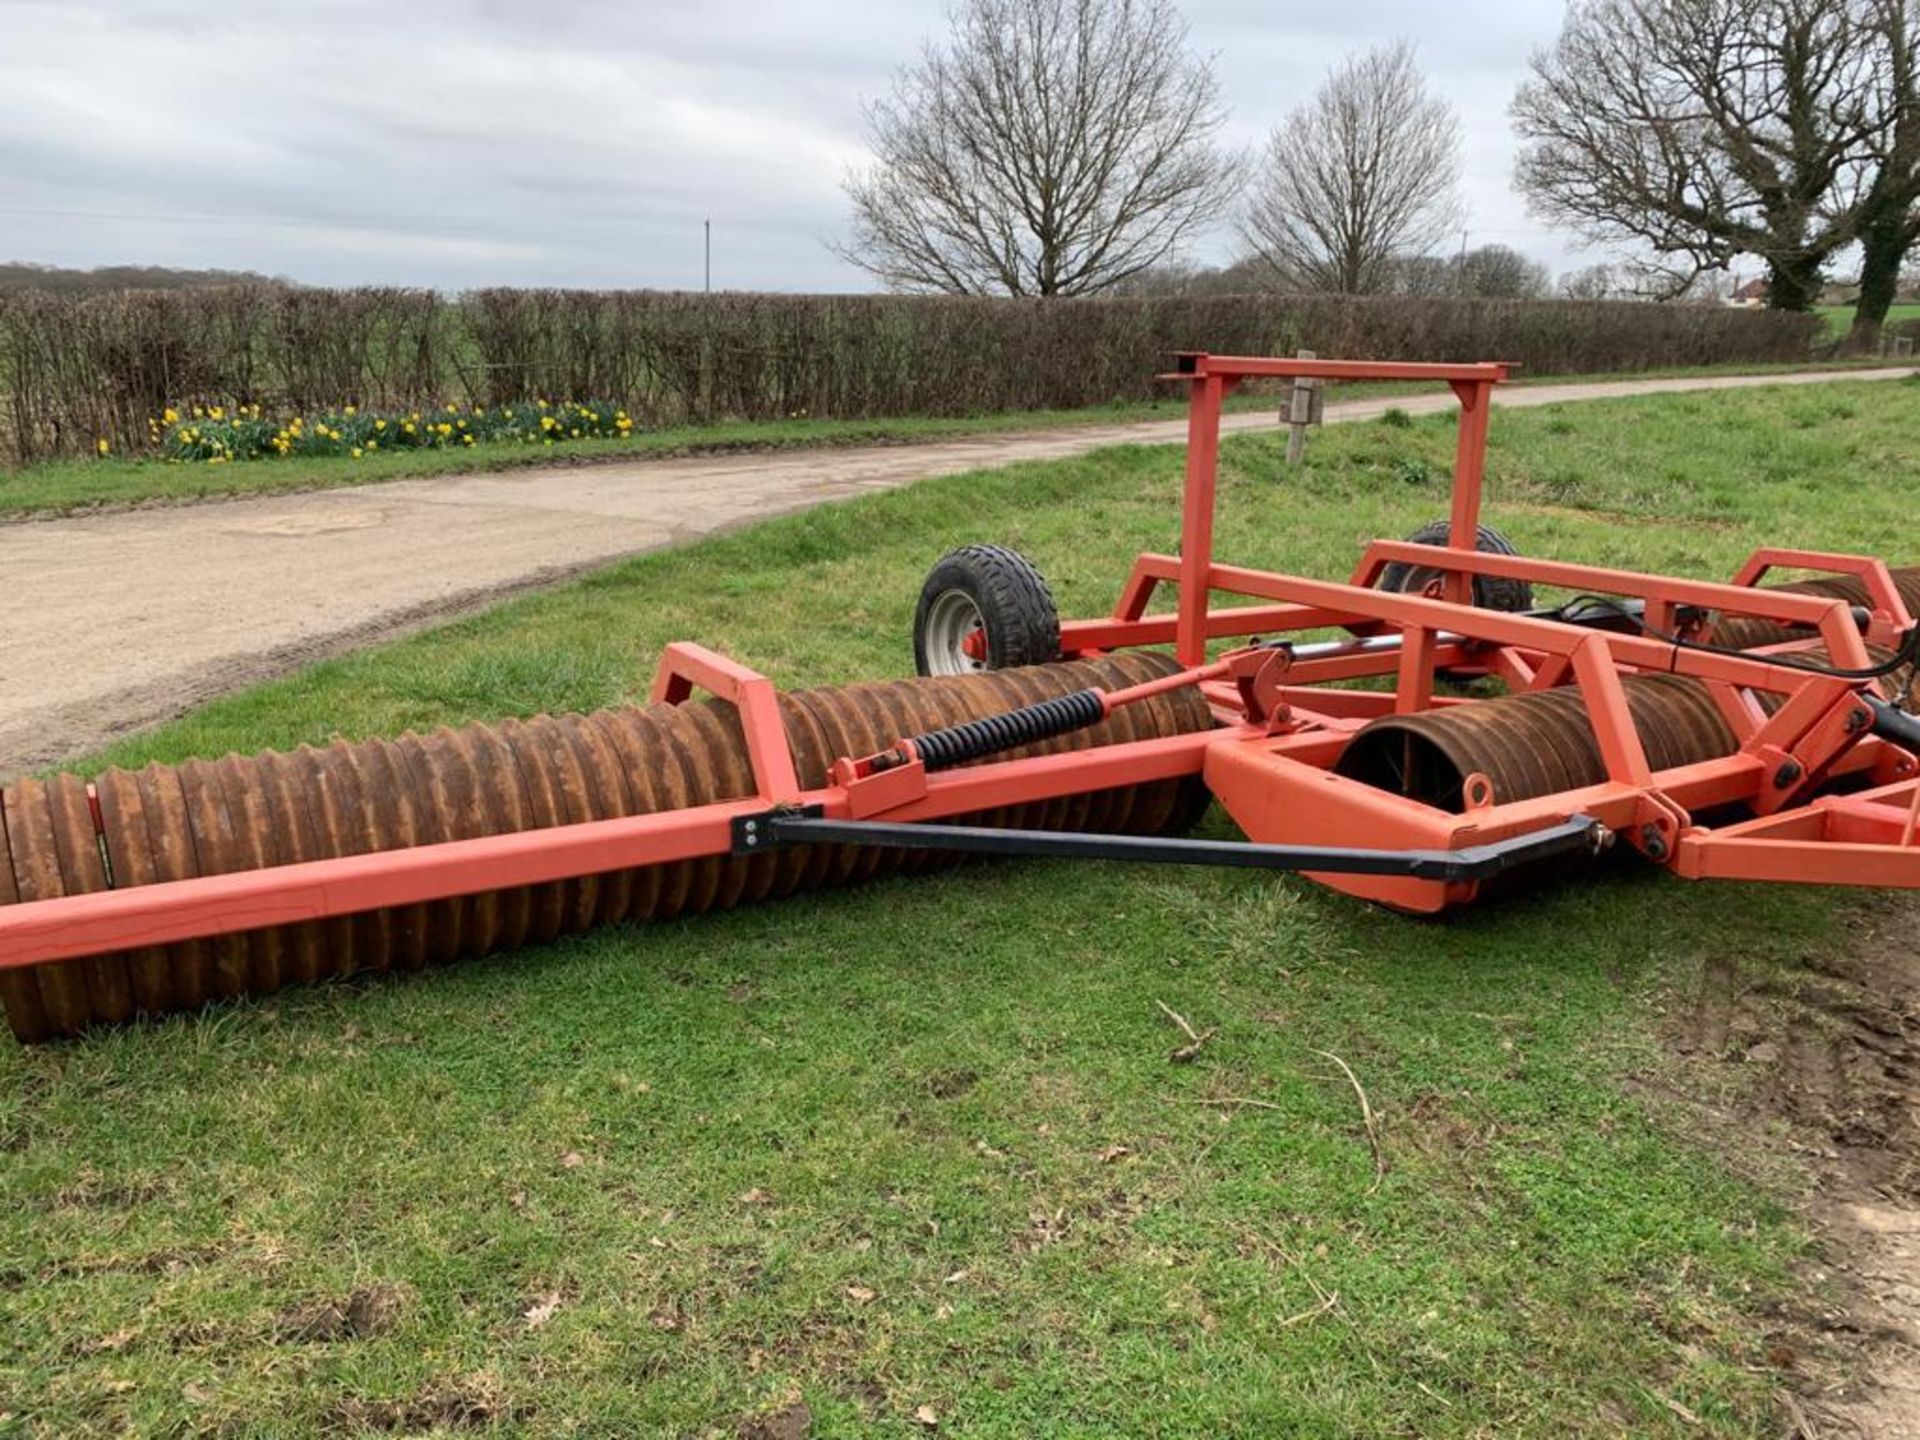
1305	403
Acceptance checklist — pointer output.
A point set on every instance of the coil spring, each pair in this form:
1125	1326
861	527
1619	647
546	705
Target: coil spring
958	744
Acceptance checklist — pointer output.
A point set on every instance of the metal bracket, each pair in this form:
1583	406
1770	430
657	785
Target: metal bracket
755	833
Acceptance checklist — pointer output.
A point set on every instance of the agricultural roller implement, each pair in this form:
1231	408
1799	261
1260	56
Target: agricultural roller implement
1427	732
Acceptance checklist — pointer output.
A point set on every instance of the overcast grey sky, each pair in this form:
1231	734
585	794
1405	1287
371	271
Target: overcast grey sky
566	142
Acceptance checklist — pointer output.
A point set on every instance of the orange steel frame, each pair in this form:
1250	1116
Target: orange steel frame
1280	728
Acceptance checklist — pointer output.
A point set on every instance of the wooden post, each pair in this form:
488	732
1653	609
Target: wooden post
1303	409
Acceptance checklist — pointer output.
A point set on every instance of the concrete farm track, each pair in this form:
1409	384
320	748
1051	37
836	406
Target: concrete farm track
113	622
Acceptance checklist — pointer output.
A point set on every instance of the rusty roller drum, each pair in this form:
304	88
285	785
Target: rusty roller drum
1542	743
1745	632
244	813
1530	745
1538	743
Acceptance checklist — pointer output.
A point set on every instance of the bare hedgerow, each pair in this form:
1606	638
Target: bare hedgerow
78	369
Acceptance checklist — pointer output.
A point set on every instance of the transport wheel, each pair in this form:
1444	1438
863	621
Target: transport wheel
1490	592
984	607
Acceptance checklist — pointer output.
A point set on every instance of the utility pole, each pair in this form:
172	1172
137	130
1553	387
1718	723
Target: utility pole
709	280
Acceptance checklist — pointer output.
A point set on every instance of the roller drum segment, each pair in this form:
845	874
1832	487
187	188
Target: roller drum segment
1542	743
248	813
1745	632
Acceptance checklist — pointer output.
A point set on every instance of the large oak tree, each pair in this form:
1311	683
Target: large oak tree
1702	130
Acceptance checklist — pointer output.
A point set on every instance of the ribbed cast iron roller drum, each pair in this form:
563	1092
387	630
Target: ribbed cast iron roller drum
1530	745
1744	632
211	817
1543	743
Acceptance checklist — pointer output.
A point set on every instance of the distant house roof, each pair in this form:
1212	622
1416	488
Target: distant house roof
1753	290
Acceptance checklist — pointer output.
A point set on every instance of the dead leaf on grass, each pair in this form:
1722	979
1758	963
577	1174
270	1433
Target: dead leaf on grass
926	1415
861	1295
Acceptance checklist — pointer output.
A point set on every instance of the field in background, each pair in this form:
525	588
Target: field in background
1839	318
915	1153
75	370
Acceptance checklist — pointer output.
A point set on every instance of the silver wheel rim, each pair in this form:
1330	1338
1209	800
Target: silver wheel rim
951	618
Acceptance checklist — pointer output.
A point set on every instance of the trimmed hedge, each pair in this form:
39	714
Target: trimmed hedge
75	369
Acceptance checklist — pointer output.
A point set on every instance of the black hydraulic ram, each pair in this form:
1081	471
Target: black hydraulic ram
773	829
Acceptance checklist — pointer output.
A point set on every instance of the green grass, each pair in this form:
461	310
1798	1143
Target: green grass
859	1149
1839	318
59	486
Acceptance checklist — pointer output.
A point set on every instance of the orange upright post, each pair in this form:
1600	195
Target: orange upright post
1196	521
1469	479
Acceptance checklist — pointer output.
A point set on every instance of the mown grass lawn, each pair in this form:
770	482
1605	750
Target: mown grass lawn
917	1150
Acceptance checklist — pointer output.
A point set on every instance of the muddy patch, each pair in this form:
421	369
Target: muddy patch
367	1311
1818	1065
792	1421
475	1402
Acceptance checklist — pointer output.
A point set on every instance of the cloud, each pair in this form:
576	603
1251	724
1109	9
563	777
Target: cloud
468	142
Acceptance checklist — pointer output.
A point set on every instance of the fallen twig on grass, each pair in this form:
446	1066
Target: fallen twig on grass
1366	1114
1674	1405
1231	1100
1322	1308
1329	1299
1195	1038
1803	1427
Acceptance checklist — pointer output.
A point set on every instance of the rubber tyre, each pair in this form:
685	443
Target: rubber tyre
1010	599
1490	592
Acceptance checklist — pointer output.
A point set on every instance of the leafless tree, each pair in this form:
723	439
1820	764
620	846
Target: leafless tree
1500	272
1365	173
1594	282
1700	130
1487	272
1424	276
1247	276
1050	147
